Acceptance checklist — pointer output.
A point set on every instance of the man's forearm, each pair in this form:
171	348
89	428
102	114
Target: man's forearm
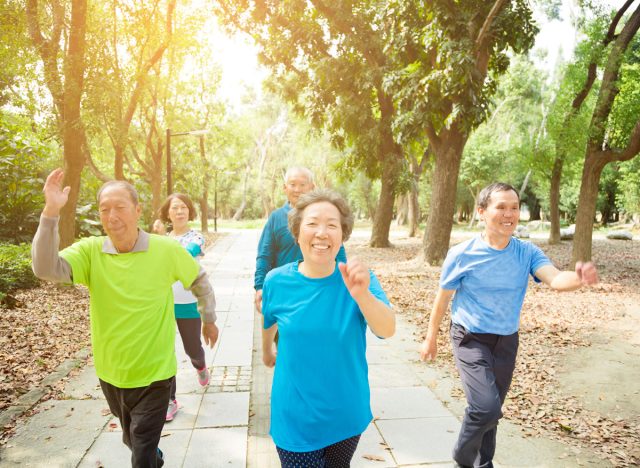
46	262
201	288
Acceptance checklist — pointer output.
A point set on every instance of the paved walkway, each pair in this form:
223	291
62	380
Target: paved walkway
226	424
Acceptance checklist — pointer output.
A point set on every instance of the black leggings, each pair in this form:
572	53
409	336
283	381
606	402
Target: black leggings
190	330
336	455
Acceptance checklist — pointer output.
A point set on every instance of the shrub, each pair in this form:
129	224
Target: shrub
15	268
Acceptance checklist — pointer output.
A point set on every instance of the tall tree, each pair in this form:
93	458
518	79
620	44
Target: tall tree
63	46
330	60
608	142
454	53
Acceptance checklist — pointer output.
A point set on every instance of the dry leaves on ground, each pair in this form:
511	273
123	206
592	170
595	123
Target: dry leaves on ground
552	323
48	325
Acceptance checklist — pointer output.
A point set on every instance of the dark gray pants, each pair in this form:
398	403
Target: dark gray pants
190	330
142	413
485	362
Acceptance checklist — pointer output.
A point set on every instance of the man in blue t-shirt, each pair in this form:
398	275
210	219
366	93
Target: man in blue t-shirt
277	246
489	275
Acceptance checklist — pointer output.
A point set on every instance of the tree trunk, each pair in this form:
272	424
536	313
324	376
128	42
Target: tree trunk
554	200
443	198
414	207
73	135
591	171
156	193
238	214
402	209
204	199
391	159
384	213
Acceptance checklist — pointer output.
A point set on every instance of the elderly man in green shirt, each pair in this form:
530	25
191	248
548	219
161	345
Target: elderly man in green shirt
129	274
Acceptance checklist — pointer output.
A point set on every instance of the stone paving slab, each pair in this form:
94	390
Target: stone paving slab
420	440
217	448
406	402
224	409
371	451
58	435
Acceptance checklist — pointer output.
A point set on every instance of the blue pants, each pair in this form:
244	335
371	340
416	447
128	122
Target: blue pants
337	455
485	362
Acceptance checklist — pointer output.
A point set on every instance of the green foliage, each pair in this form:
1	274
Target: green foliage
15	268
628	195
23	157
440	82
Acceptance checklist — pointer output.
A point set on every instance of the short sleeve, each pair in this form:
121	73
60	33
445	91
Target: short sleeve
267	313
451	274
78	255
375	288
194	249
538	260
186	268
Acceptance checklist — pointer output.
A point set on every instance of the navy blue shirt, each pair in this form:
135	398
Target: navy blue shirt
277	246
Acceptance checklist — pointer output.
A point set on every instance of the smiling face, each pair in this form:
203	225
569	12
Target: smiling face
178	213
119	215
297	184
320	234
501	215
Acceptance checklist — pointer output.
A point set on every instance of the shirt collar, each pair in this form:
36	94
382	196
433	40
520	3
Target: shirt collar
141	245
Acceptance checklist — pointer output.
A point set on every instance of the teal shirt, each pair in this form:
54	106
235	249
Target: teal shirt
320	391
277	246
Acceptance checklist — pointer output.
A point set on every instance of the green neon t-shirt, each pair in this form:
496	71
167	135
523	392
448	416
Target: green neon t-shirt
131	307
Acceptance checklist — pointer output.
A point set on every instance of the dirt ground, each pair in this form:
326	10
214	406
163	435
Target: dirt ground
577	378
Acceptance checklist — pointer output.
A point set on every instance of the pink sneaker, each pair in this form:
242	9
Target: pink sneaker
203	376
172	410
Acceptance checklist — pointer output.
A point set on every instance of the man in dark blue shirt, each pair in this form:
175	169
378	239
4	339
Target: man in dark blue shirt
277	246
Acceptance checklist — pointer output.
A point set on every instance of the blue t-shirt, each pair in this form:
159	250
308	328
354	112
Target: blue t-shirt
320	390
490	284
277	246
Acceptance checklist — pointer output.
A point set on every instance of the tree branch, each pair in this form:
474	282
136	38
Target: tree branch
614	23
87	154
609	88
484	31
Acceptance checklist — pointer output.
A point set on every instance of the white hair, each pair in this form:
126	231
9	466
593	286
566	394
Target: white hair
298	169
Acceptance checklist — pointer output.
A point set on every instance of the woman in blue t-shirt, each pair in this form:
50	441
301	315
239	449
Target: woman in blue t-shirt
489	275
178	210
321	309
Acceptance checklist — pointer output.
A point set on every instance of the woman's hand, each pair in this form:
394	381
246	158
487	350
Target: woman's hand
158	227
356	277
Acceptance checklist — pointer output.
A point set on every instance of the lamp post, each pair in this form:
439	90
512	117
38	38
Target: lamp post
199	133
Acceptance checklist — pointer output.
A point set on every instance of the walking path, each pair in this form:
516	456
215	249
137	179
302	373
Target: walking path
226	424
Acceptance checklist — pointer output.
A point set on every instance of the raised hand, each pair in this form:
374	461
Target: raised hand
55	195
355	276
587	273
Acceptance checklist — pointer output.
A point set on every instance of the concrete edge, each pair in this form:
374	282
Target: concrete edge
33	396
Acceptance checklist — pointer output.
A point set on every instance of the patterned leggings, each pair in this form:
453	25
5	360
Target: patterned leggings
337	455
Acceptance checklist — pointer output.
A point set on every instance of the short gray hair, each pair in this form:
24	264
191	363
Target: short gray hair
303	170
484	198
317	196
133	193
